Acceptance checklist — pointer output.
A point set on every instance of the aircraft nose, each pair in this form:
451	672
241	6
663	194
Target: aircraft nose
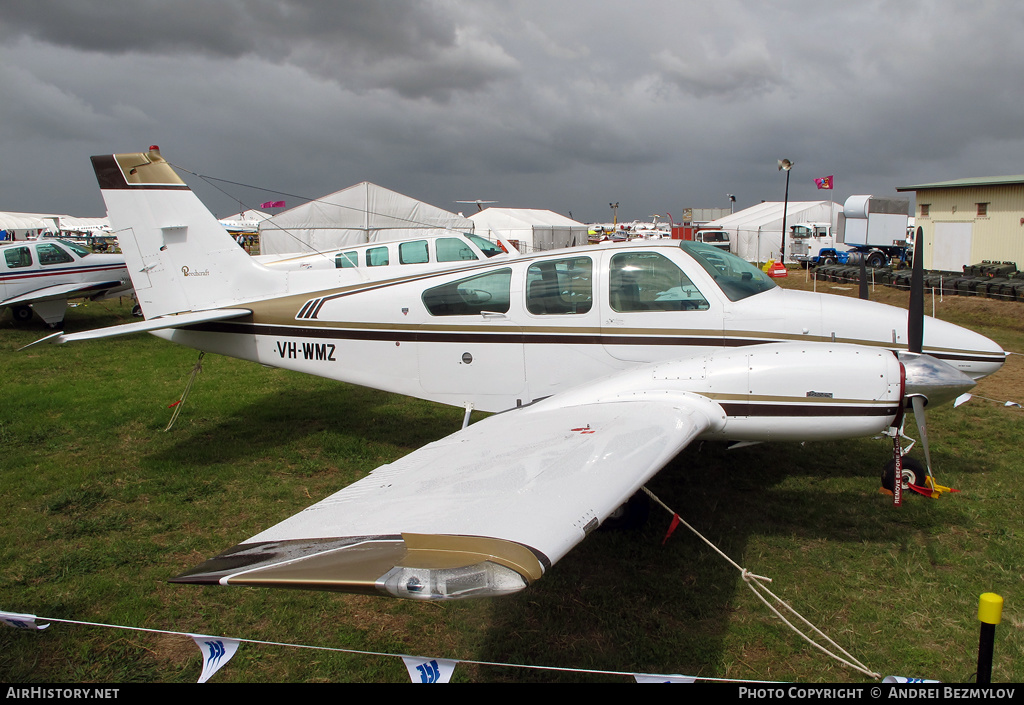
933	379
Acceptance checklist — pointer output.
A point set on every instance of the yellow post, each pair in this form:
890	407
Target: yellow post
990	613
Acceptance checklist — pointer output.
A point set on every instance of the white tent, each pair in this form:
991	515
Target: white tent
359	214
755	233
18	226
532	229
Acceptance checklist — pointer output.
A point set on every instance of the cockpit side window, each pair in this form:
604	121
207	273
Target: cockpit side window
452	249
560	286
17	257
485	292
51	254
648	281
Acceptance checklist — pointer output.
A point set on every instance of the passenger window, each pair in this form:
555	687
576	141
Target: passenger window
647	281
51	254
474	295
413	252
18	257
344	260
452	249
377	257
560	286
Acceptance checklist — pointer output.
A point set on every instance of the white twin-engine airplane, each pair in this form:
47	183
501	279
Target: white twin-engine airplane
42	275
606	361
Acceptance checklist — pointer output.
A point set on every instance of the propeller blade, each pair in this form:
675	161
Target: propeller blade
915	317
918	403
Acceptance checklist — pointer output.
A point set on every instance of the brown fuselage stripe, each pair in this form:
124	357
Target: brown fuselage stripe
510	338
798	409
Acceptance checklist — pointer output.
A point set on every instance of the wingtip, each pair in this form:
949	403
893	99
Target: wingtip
53	338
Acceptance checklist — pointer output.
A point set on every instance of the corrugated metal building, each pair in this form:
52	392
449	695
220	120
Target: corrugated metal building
965	221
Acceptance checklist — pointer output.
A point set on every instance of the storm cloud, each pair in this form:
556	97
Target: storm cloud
571	105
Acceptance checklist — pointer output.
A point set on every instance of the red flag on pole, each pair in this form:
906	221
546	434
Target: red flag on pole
824	182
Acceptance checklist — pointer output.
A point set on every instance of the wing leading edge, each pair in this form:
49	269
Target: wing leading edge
484	511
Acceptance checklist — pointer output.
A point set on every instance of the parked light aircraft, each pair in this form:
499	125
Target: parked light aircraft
606	362
41	275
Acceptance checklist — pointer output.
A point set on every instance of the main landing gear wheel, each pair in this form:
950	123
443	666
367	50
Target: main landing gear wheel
631	515
22	314
914	473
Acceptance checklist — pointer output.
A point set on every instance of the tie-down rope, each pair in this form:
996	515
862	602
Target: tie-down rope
756	587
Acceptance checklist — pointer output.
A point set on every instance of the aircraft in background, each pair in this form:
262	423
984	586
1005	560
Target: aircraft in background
41	275
606	360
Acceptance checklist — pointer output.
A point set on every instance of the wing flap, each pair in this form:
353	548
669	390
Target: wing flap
483	511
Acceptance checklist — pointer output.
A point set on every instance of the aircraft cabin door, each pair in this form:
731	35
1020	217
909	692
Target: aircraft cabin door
471	349
654	311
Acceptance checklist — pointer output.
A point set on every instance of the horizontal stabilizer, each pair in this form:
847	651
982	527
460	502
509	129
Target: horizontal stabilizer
180	320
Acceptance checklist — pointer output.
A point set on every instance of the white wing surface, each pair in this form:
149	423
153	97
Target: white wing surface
62	291
484	511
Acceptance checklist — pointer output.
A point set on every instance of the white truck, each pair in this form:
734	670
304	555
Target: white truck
807	240
871	228
715	238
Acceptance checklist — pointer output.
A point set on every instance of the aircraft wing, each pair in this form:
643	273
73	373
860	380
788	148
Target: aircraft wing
174	321
62	291
484	511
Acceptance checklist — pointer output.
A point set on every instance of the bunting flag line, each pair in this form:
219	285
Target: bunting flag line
674	678
272	204
217	651
824	182
435	670
904	679
22	621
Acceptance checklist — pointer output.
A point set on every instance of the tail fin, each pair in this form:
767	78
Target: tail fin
179	257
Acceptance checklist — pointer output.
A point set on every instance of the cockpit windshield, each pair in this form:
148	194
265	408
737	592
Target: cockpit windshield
736	277
77	249
486	246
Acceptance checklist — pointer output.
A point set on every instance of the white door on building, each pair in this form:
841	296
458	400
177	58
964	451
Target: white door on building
952	246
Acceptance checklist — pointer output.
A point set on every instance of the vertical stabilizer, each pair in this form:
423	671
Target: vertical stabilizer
179	257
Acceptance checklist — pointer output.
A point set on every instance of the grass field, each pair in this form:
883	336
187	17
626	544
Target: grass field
102	506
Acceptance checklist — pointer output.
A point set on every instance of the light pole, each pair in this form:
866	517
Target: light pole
615	213
732	202
784	165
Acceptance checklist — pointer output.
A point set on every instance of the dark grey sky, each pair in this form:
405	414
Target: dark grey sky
567	105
